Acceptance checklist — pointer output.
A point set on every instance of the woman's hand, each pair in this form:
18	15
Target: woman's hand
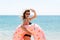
34	14
32	10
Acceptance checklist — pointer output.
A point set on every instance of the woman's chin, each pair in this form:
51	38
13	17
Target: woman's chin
27	17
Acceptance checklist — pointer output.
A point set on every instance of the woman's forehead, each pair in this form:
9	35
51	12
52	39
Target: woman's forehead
27	12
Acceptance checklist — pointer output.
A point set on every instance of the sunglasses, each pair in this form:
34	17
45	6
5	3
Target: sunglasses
27	13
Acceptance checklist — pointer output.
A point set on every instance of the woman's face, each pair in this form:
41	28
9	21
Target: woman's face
27	14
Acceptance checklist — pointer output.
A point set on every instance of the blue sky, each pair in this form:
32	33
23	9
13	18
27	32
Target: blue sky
42	7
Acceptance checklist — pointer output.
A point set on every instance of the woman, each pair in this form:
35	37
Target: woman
26	15
26	21
27	29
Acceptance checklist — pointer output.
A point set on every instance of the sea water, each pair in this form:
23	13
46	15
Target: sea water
49	24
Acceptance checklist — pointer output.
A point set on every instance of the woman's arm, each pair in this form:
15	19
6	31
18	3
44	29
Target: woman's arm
34	14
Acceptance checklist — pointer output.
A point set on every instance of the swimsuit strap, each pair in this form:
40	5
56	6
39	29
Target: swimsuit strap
27	35
30	23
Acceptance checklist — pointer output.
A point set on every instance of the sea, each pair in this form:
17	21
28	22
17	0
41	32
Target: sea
50	24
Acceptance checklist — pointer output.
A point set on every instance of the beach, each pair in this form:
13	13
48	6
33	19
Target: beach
8	35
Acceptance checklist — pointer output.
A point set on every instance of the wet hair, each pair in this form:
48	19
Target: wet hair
25	13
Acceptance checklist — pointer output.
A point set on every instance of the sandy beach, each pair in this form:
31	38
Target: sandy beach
8	35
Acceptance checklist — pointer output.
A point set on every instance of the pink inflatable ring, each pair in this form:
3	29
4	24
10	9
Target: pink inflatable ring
34	29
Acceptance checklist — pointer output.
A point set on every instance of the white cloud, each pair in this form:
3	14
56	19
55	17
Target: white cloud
15	7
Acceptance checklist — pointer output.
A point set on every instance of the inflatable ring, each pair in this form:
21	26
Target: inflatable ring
34	29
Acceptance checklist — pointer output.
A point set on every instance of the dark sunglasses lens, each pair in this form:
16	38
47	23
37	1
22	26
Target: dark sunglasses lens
28	14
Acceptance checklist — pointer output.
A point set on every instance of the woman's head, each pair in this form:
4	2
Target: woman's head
26	14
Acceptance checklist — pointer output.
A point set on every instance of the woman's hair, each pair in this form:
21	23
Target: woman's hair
25	13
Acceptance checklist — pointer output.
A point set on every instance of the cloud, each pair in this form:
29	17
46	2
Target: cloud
42	7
